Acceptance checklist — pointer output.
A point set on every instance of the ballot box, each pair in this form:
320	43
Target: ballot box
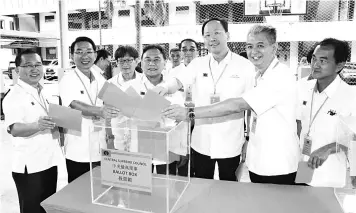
346	152
144	165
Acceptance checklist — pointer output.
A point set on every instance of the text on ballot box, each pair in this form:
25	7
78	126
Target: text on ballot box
127	170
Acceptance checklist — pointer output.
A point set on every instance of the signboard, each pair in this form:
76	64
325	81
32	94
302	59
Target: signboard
126	170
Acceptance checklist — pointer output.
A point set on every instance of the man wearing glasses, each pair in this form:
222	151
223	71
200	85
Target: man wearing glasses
79	90
127	60
34	135
214	78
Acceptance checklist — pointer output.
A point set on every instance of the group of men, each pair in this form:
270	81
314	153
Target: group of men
287	121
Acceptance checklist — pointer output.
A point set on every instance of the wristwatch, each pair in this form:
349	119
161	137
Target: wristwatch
191	113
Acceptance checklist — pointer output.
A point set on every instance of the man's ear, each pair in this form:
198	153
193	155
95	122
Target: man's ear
228	35
340	66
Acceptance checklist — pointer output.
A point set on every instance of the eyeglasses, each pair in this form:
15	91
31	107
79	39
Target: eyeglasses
79	52
31	65
127	61
190	50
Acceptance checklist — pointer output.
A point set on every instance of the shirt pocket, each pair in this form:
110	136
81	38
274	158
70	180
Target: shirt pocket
232	86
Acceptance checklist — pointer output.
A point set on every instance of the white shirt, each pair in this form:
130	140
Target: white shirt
119	81
37	152
76	86
273	148
218	137
341	99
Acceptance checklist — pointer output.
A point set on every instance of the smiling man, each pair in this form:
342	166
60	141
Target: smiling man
34	135
219	76
273	150
79	90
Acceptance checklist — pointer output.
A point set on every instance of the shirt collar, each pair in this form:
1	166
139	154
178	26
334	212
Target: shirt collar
121	79
29	88
271	66
332	88
226	60
148	83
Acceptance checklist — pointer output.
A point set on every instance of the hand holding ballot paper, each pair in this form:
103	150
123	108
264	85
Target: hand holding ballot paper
131	104
66	117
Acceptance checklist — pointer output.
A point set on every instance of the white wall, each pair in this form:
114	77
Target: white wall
6	56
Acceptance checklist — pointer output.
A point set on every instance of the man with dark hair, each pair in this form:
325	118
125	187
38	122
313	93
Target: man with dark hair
79	90
34	135
103	61
174	57
214	78
321	102
127	59
153	62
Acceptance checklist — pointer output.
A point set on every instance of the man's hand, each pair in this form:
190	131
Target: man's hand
318	157
175	112
243	153
109	112
45	122
160	90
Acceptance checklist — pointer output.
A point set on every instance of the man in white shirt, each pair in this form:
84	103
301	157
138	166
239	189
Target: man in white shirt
188	48
35	135
103	61
273	150
153	63
127	60
175	57
320	103
79	90
216	77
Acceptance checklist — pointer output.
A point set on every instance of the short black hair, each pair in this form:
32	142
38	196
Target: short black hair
311	52
174	50
223	23
126	50
82	39
154	46
187	39
24	52
101	54
341	48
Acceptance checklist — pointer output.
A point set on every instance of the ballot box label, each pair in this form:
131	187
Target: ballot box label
126	170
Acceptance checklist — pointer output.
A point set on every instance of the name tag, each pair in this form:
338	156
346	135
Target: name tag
307	145
214	98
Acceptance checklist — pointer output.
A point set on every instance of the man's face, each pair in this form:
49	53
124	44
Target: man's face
189	51
215	37
153	63
104	63
323	63
259	50
127	64
30	69
175	57
84	55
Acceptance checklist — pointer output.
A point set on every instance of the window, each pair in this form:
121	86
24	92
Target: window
233	12
182	10
12	25
124	13
2	24
88	21
49	18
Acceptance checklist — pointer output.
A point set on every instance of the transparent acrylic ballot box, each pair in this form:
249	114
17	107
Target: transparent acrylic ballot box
346	150
145	166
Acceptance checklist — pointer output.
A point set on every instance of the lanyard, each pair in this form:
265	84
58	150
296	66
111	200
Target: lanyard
211	73
96	94
41	102
311	121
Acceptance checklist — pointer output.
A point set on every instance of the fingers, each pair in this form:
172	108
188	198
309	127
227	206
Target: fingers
314	162
45	122
111	112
